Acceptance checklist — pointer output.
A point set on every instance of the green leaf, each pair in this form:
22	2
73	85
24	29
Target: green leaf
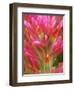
57	60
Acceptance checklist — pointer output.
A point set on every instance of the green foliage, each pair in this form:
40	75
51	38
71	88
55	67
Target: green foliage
57	60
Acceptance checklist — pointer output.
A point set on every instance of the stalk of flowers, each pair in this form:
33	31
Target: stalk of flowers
42	42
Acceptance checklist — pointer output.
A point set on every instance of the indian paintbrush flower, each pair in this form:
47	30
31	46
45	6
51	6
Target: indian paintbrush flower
43	41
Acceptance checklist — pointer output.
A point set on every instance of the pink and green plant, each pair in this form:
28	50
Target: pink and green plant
43	44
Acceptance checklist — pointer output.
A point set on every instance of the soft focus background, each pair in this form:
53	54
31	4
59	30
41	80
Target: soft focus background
4	46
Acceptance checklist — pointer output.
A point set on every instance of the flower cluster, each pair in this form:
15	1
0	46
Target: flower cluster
43	43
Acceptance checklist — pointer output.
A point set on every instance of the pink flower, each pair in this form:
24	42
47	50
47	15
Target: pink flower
42	39
57	46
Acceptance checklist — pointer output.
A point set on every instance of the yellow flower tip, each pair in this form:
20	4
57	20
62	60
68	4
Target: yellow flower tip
41	35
